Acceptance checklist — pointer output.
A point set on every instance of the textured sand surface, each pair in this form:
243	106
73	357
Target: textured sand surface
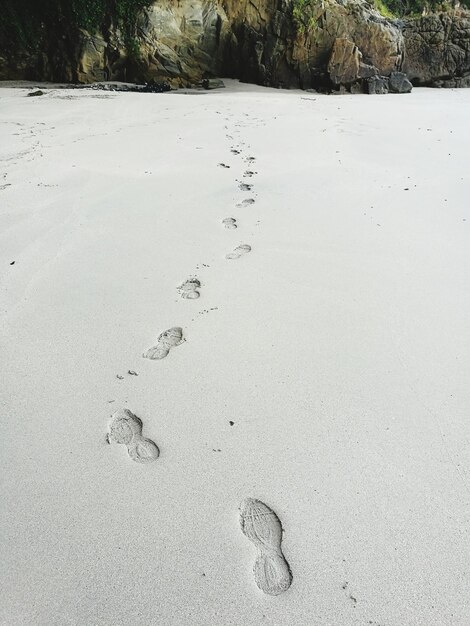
325	373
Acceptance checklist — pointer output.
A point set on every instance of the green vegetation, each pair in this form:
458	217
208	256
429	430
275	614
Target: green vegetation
28	23
299	9
24	22
307	12
403	8
383	8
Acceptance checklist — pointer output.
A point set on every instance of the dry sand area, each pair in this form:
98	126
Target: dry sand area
163	370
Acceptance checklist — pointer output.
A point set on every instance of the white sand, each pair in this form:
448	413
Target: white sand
339	347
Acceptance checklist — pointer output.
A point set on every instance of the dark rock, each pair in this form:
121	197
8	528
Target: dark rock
399	83
456	82
366	71
150	87
212	83
357	88
154	87
113	86
38	92
438	49
377	85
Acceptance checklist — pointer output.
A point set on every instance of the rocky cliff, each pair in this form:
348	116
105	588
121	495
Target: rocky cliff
330	44
438	50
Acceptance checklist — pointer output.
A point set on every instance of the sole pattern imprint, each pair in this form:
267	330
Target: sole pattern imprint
126	428
263	528
239	251
165	342
230	223
189	289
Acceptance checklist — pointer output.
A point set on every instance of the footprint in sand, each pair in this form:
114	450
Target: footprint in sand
263	528
246	202
168	339
239	251
189	289
230	222
126	428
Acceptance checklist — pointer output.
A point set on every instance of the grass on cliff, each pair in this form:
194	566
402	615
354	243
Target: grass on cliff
306	12
24	22
383	8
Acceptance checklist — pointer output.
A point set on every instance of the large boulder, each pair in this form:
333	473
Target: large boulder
399	83
345	61
379	40
182	42
377	85
92	66
345	65
176	42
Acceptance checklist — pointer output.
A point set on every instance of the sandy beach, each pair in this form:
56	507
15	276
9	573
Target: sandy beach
324	370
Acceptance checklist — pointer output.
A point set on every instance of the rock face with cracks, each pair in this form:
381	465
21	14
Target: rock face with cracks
438	50
326	44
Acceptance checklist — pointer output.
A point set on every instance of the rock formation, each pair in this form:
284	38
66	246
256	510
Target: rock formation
331	44
438	50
